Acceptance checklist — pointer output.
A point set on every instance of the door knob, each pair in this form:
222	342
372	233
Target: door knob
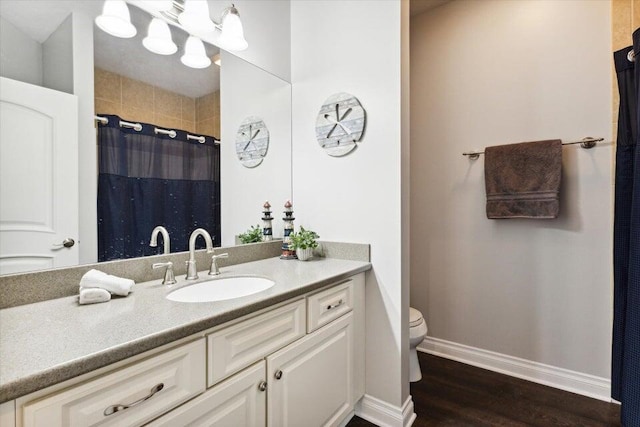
66	243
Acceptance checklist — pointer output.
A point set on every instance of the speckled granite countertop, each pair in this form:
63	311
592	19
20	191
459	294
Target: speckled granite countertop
49	342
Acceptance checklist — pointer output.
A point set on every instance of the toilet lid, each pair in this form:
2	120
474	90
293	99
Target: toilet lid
415	317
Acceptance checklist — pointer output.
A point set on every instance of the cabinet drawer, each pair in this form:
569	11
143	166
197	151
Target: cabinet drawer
129	396
238	401
327	305
240	345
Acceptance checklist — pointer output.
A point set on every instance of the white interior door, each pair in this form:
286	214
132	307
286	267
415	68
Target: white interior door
38	177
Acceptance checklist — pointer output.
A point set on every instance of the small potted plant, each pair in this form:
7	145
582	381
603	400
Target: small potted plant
304	241
252	235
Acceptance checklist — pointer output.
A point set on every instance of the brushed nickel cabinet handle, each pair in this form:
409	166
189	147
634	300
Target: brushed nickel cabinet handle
262	386
121	407
278	374
332	306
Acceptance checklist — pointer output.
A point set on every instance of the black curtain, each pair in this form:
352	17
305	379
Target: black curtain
625	372
147	179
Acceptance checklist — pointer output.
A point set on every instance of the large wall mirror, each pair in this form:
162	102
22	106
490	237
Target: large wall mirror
62	171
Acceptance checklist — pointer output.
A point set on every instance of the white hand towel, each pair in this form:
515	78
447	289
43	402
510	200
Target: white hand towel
98	279
93	295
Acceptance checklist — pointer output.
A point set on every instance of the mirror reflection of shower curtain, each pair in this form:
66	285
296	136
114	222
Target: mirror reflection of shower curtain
147	180
625	363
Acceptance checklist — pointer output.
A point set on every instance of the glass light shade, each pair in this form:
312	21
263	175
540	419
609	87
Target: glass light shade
232	37
115	19
195	17
194	54
158	38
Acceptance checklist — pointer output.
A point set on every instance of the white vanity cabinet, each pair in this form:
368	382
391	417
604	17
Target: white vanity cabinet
8	414
293	379
238	401
129	396
300	363
311	381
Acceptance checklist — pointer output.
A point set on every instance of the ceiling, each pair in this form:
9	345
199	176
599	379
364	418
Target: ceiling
420	6
39	18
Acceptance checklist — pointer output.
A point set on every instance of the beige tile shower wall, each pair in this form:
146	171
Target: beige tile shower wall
208	114
134	100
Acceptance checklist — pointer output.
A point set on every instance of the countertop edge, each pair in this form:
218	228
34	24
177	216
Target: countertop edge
92	362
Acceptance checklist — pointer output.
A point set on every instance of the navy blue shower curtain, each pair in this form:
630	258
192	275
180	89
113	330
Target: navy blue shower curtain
625	372
147	179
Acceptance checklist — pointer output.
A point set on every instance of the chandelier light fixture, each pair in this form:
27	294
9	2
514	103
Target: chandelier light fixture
194	54
192	15
158	38
115	19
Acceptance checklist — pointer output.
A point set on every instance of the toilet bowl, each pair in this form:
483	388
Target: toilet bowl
417	332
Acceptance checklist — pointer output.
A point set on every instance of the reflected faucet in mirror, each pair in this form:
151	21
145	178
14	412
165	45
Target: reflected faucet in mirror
192	271
166	243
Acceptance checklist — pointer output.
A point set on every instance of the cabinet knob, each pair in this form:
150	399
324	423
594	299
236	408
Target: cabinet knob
278	374
262	386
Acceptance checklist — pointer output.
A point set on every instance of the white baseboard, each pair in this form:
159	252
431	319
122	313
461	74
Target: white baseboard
384	414
564	379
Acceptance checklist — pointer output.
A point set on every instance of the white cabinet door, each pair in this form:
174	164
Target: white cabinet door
38	177
311	380
237	402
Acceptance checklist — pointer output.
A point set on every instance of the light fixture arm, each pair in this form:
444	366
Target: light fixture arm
178	8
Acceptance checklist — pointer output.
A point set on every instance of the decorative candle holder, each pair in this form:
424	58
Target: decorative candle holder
267	228
287	252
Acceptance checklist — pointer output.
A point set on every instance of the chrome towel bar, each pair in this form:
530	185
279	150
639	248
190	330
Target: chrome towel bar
584	143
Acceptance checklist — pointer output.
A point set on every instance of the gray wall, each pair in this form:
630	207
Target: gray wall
490	73
20	56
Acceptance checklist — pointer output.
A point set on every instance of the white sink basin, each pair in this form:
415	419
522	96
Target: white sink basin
221	289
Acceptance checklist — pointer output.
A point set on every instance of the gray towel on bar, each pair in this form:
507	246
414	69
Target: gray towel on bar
523	180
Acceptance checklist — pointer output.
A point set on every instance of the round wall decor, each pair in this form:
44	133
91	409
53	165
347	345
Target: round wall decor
252	141
340	124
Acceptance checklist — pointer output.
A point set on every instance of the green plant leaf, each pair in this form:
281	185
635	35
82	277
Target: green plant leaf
252	235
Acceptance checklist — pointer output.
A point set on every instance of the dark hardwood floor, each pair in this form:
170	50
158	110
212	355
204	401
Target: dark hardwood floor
455	394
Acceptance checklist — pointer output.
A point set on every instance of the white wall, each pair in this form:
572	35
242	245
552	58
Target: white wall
20	56
355	46
57	58
495	72
267	29
83	87
246	90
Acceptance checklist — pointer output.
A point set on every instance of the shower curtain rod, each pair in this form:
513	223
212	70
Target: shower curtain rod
169	132
584	143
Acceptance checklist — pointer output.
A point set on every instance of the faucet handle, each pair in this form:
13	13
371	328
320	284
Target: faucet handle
169	278
214	270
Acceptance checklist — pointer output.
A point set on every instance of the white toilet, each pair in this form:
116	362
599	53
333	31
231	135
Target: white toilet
417	332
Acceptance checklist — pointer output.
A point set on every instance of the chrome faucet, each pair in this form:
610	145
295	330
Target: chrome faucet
192	271
165	239
214	270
